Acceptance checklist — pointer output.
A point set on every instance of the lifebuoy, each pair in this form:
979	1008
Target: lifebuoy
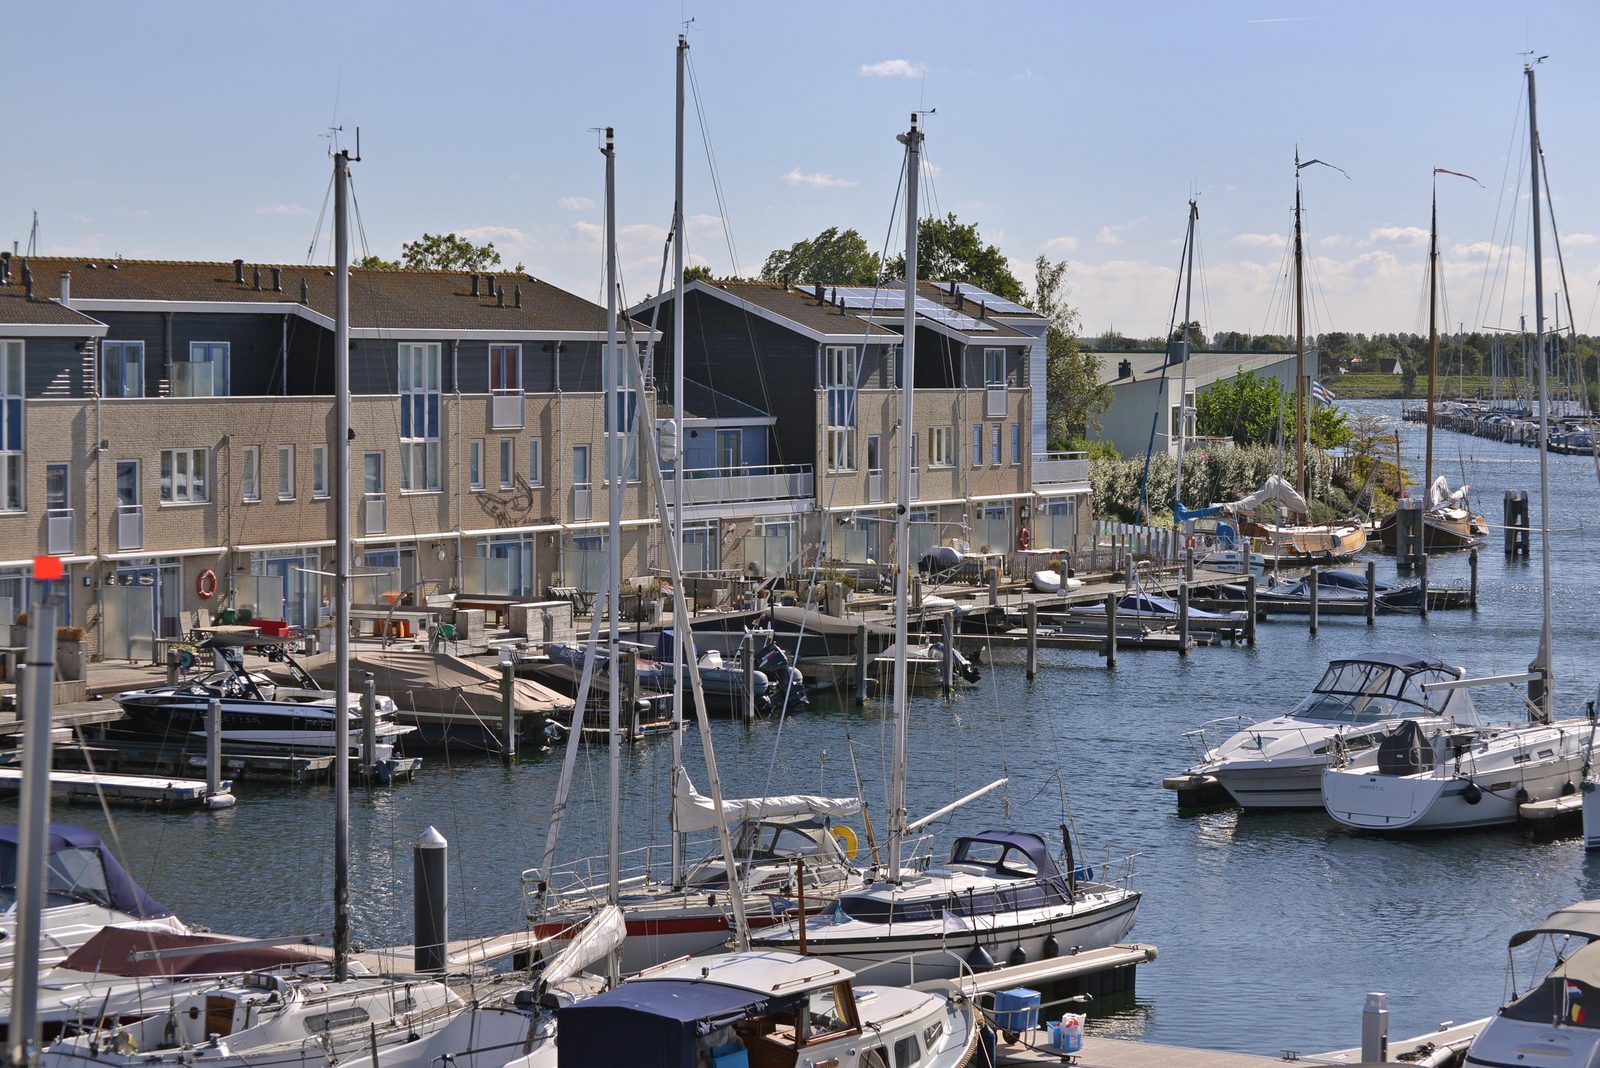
847	841
1024	539
1188	541
206	584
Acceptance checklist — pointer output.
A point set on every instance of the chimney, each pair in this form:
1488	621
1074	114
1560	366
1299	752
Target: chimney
500	297
834	298
277	279
66	289
5	268
305	292
819	292
961	300
256	279
238	272
516	296
474	277
983	309
489	280
27	280
1125	369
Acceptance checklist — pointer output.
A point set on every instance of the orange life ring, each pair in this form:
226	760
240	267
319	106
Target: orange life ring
1024	539
1188	541
206	584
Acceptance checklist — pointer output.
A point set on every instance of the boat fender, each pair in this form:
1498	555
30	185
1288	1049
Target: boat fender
1522	795
711	901
1472	794
979	960
1569	788
1017	956
1051	949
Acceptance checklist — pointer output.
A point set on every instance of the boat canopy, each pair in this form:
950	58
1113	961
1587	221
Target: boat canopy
1275	488
696	812
1007	852
1580	921
111	950
1383	686
80	868
664	1023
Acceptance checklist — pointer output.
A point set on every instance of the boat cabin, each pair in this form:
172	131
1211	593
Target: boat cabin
80	870
774	842
995	871
1385	686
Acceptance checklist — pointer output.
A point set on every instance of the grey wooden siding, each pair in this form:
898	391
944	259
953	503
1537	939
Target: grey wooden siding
53	367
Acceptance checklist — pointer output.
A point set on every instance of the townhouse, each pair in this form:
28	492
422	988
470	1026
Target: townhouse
166	430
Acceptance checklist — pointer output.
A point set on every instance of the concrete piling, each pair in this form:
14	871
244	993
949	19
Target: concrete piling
1372	592
430	902
1032	613
1315	590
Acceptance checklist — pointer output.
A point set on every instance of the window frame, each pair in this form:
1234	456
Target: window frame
1016	444
13	425
508	463
941	451
319	471
501	355
169	481
120	347
419	381
977	444
996	445
250	475
475	464
535	467
286	473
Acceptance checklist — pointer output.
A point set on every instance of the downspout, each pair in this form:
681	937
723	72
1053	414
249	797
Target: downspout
283	355
167	346
99	505
455	450
557	466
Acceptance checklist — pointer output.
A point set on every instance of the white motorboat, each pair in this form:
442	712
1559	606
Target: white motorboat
1557	1020
1278	763
764	1008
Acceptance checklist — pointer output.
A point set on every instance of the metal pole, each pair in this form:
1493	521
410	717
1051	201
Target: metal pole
1250	610
369	724
1111	630
1541	690
430	902
341	567
748	660
947	662
1372	593
1183	619
1472	568
861	661
678	664
1433	346
611	367
213	747
1316	589
508	710
1032	614
1183	379
1422	583
1299	340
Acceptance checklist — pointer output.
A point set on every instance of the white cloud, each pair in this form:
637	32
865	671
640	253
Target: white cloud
576	203
892	68
1399	235
1112	235
1064	243
282	209
1257	240
584	235
930	168
817	179
699	224
1580	240
1336	241
1023	75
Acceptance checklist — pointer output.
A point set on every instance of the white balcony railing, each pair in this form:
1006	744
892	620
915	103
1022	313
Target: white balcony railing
130	527
374	514
874	486
994	402
1054	468
505	412
58	532
724	485
582	503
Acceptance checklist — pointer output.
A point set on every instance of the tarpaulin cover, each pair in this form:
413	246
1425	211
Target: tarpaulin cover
111	950
696	812
649	1023
81	866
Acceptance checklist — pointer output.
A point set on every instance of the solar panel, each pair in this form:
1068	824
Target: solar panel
932	309
991	301
868	299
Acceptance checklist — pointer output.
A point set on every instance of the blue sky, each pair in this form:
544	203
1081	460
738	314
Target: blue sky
198	131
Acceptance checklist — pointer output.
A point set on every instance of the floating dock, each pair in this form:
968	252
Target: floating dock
143	791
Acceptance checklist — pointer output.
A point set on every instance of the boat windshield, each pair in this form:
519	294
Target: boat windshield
75	876
1358	691
1569	994
768	842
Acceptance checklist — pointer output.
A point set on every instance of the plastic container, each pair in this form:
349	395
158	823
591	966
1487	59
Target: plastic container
1067	1035
1016	1010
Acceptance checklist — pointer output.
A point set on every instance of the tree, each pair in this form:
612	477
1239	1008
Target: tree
377	263
1244	408
448	252
698	273
952	251
1076	397
830	258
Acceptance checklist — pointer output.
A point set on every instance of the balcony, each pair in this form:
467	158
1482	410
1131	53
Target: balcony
1056	468
374	514
58	532
505	409
994	402
582	502
739	485
130	527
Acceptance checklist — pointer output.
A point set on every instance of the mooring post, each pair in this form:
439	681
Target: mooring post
1315	589
947	663
1183	619
1375	1029
1422	582
214	747
1064	569
508	707
1032	612
1472	570
916	592
1188	563
1372	593
748	662
861	661
993	576
369	724
430	902
1250	610
172	667
1111	630
630	693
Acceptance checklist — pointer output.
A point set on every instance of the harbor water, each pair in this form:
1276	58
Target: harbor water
1271	928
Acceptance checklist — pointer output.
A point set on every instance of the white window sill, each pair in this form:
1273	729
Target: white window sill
320	496
250	500
184	504
421	493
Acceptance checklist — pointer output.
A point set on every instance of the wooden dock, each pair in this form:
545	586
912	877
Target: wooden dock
142	791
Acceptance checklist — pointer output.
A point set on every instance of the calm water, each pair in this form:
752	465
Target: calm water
1271	929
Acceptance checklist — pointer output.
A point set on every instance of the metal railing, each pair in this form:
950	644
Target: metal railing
1056	467
505	409
58	531
582	503
130	527
994	402
726	485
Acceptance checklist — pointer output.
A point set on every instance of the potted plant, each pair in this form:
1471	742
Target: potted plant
72	654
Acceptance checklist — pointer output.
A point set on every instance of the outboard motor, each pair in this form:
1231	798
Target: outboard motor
790	691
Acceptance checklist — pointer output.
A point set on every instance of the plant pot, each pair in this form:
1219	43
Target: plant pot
72	661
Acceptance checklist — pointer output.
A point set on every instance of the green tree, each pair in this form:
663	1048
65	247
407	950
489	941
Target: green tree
953	251
1244	408
449	252
1076	396
377	263
697	273
831	258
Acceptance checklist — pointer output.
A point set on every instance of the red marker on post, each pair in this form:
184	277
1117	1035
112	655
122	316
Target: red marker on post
48	567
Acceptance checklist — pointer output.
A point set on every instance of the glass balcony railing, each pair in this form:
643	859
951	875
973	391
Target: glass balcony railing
729	485
1051	468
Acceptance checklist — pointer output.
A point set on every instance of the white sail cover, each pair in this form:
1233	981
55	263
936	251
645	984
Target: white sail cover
1275	488
696	812
591	942
1441	496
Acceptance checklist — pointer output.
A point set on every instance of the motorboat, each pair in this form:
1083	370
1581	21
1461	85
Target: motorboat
925	665
775	681
1556	1021
765	1007
86	890
1278	762
773	838
1001	895
257	713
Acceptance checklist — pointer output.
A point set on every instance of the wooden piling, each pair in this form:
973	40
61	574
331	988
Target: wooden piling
1032	613
1111	630
1372	593
1188	563
748	660
1422	581
1183	614
861	662
1315	588
993	576
1250	610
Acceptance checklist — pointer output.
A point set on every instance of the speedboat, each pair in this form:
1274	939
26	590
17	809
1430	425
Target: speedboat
86	890
764	1007
1000	894
1278	762
257	713
1557	1020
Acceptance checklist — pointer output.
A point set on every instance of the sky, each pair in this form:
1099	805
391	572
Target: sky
1071	130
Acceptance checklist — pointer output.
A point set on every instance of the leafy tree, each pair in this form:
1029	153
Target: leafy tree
1197	336
832	257
1250	409
697	273
1076	396
448	252
1269	343
377	263
952	251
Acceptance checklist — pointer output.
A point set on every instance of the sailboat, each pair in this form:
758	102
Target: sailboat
1448	521
1464	776
1000	889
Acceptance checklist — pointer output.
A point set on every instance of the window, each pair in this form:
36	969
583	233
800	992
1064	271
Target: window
204	373
475	464
285	472
839	379
122	368
507	464
977	445
505	368
1016	443
419	416
372	474
535	469
994	446
57	496
941	447
184	476
11	392
994	368
319	471
729	449
250	474
128	483
624	421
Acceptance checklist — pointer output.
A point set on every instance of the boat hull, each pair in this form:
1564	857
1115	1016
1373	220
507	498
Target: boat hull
1369	801
246	724
1287	784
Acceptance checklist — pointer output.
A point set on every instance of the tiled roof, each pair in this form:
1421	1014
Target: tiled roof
17	310
702	402
394	300
799	305
1202	365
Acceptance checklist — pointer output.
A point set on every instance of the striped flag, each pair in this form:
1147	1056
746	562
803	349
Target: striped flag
1321	393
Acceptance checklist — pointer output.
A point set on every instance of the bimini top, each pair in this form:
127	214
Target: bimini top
1403	661
1580	921
1007	852
81	868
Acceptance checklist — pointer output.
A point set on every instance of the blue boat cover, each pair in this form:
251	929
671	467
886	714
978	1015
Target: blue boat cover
651	1023
1030	845
72	872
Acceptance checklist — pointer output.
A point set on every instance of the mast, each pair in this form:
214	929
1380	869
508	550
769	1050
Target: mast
1540	690
1433	344
912	139
611	367
1299	339
1183	378
678	663
341	566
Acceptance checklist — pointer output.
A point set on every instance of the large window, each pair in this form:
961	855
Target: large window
942	446
535	468
204	373
11	393
994	445
624	421
508	471
839	381
285	472
250	474
122	368
505	367
1016	443
977	444
185	476
419	416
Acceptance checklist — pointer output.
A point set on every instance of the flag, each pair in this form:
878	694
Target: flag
1575	1011
780	905
954	924
1321	393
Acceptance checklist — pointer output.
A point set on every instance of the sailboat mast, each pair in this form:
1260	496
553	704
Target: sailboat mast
1299	340
678	663
1541	689
1183	377
1433	341
341	565
611	365
912	139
